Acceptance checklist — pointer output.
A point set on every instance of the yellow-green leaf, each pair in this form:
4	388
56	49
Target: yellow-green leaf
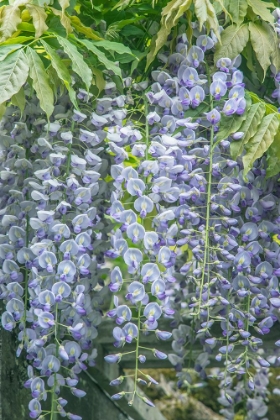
261	141
233	39
238	10
39	17
88	32
64	4
200	9
17	40
10	18
170	16
79	65
40	80
13	74
262	45
261	9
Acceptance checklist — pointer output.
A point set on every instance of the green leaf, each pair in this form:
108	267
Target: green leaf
116	47
275	54
262	45
261	9
238	10
171	13
19	99
229	125
88	32
40	83
233	39
64	20
5	50
212	21
273	157
101	56
131	30
200	9
261	141
39	17
79	65
17	40
9	21
13	74
249	128
269	108
61	70
99	79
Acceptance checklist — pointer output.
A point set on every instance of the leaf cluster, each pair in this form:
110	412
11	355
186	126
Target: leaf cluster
44	45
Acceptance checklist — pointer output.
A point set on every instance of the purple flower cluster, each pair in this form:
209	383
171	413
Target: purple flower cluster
53	238
199	238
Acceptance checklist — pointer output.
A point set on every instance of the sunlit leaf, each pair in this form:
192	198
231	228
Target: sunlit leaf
261	9
233	40
10	18
249	128
262	45
39	17
261	141
13	74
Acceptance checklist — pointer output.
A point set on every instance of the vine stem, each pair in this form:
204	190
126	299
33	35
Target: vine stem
208	203
137	351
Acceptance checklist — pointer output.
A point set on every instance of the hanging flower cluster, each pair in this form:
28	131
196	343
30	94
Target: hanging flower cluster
199	237
53	238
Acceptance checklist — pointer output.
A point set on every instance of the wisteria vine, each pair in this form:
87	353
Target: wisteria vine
156	187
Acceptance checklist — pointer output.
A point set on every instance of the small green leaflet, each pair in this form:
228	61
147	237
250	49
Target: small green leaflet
238	10
79	65
261	141
249	128
40	79
114	47
273	157
39	17
233	40
261	42
101	56
261	8
61	71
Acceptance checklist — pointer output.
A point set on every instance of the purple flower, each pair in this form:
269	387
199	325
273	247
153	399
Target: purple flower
197	95
213	116
230	107
113	358
218	89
